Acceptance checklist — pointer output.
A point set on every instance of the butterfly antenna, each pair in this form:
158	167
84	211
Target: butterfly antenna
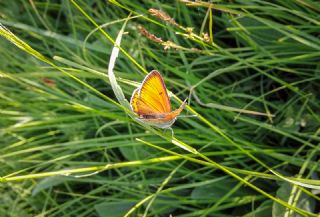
187	116
184	102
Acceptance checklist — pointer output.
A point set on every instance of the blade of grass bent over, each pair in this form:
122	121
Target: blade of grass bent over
113	81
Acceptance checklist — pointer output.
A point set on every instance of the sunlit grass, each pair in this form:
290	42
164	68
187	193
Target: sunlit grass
70	146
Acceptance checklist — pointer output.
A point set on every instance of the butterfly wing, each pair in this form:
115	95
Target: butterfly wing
152	97
137	105
153	93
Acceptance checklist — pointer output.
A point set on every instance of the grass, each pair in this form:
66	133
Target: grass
69	144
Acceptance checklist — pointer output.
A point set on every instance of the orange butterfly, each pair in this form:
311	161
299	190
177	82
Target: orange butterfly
151	102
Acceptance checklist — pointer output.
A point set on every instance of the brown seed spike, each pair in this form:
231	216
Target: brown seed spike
162	16
149	35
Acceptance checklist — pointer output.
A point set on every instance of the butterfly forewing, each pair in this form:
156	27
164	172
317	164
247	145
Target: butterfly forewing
138	106
153	96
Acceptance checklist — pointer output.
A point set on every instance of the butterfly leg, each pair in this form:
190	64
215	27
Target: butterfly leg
169	128
172	133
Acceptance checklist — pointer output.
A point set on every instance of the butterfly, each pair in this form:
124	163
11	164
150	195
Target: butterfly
151	102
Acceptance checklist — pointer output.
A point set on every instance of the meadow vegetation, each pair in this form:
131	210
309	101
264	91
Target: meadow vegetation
69	144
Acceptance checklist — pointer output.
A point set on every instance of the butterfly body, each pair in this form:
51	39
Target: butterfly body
151	102
158	122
